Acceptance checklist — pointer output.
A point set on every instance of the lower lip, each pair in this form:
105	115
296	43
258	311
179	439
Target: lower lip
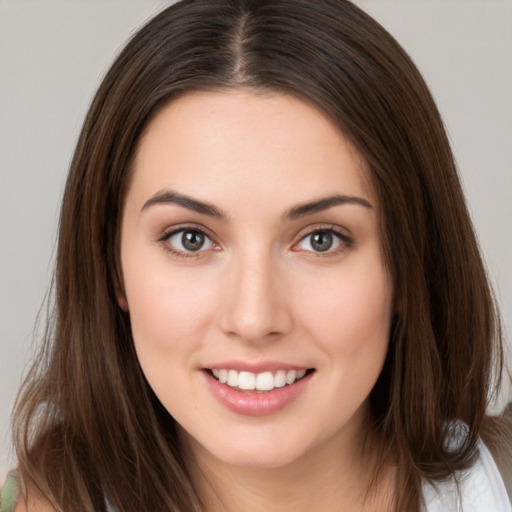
252	403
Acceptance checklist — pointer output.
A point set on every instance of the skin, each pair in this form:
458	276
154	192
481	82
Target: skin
259	291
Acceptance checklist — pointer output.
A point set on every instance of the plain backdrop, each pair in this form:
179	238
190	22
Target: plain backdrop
53	54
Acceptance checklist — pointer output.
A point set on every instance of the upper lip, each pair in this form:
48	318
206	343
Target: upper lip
253	367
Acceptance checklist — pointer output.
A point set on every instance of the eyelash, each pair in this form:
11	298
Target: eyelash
164	239
345	242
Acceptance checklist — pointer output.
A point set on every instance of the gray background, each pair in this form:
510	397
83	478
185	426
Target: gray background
54	52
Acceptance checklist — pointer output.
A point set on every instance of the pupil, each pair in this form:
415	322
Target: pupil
321	241
192	240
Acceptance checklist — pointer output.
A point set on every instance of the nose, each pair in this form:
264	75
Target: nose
256	308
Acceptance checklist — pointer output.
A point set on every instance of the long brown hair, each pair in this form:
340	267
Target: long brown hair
87	425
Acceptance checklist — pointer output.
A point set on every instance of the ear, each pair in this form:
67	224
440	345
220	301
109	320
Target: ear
120	296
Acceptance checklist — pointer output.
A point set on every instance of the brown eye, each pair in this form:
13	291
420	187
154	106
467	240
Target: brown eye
324	241
321	241
190	240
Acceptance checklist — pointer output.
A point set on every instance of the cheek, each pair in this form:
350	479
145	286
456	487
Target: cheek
350	314
170	315
168	310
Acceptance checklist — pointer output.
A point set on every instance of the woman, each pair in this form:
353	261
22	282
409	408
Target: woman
268	291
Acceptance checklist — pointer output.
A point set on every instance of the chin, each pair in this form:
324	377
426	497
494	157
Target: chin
250	450
259	459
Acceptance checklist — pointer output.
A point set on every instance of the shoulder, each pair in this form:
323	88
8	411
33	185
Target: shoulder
9	493
477	489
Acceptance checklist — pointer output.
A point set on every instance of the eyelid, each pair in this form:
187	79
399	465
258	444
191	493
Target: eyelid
346	241
171	231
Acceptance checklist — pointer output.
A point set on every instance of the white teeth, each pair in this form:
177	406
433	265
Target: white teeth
265	381
301	374
291	376
233	378
246	380
280	379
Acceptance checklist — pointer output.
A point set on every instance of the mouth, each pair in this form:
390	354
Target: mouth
257	389
263	382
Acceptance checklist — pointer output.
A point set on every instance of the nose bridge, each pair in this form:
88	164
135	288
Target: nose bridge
256	309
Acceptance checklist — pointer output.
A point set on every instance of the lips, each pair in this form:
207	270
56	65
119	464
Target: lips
255	390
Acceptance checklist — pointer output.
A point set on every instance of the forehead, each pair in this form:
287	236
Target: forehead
223	144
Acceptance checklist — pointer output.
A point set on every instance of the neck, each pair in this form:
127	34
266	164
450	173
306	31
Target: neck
318	480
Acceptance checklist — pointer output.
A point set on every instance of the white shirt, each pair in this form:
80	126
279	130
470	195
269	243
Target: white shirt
481	489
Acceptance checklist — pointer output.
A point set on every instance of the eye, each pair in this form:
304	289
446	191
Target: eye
189	240
323	240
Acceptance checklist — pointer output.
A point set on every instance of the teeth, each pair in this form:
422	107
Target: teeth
233	378
265	381
246	380
291	376
280	379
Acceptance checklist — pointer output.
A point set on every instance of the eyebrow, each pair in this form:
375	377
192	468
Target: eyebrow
322	204
173	197
205	208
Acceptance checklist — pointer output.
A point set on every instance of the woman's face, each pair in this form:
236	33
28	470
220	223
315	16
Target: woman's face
250	252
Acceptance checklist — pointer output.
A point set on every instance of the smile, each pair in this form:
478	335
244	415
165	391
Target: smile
257	393
265	381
